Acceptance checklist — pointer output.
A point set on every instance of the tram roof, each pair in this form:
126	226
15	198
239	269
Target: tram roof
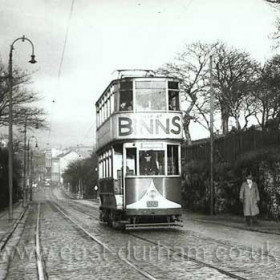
134	77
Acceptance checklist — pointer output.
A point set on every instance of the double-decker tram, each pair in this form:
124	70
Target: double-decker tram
139	135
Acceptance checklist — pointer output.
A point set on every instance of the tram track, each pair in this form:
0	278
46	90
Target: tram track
95	239
81	208
227	273
20	249
41	268
186	257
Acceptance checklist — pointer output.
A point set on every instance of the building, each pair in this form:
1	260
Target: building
83	150
60	164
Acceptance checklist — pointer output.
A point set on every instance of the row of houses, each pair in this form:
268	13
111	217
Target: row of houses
48	165
60	164
51	164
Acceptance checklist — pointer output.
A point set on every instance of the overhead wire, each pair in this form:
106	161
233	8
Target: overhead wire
87	133
66	38
60	65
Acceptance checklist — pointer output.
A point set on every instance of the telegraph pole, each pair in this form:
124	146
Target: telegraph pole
211	140
24	164
11	133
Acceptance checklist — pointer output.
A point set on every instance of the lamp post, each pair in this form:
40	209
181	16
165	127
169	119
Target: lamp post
32	61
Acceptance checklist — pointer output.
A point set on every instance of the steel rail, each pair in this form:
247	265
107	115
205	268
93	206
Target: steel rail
185	256
78	208
224	272
42	275
142	272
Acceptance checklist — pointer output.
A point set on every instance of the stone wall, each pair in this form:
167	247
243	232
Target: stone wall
263	164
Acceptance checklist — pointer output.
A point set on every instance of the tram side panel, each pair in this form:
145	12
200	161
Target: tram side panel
107	194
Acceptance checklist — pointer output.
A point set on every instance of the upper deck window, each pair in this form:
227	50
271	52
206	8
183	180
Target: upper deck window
150	95
126	96
173	96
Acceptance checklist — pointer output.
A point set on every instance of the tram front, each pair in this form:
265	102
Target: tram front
139	139
152	135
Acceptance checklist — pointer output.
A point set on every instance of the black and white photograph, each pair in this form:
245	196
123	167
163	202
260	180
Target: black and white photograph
139	139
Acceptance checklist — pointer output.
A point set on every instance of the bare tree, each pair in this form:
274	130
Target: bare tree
191	67
273	1
23	101
234	75
250	109
276	35
267	92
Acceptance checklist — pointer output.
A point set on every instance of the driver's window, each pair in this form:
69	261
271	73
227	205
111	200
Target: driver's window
151	162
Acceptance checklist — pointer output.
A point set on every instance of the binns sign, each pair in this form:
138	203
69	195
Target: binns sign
164	125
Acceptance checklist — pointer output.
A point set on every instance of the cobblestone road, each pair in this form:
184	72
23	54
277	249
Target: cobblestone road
251	255
148	257
69	253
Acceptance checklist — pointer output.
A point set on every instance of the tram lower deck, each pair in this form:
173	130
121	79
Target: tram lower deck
144	187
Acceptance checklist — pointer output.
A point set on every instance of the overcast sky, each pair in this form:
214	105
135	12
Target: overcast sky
115	34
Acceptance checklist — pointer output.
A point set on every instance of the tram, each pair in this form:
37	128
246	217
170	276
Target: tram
139	136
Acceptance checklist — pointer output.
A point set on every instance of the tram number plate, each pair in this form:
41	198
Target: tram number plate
152	203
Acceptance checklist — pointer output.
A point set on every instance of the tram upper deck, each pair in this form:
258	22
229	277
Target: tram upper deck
135	108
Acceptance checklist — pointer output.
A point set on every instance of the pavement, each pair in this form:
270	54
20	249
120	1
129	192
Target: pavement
234	221
7	225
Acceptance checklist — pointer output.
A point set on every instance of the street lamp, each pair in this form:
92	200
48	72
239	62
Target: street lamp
32	61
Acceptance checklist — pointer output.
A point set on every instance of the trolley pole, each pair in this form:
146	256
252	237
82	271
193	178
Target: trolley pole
211	140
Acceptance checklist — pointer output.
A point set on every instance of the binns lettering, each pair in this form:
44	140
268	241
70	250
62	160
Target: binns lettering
132	126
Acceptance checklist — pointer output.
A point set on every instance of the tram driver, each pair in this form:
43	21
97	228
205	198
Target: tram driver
148	164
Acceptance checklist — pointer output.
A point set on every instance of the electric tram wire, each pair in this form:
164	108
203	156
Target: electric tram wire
66	38
60	65
86	134
188	5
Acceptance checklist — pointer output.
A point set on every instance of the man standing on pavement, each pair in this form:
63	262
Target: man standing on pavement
249	196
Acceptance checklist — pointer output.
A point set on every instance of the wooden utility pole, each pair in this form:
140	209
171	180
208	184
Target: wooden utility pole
24	164
211	140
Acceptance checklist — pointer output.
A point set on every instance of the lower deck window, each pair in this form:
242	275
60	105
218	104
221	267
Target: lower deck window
142	159
172	160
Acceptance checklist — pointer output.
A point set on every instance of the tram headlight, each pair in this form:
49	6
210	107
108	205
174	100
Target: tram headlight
152	194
